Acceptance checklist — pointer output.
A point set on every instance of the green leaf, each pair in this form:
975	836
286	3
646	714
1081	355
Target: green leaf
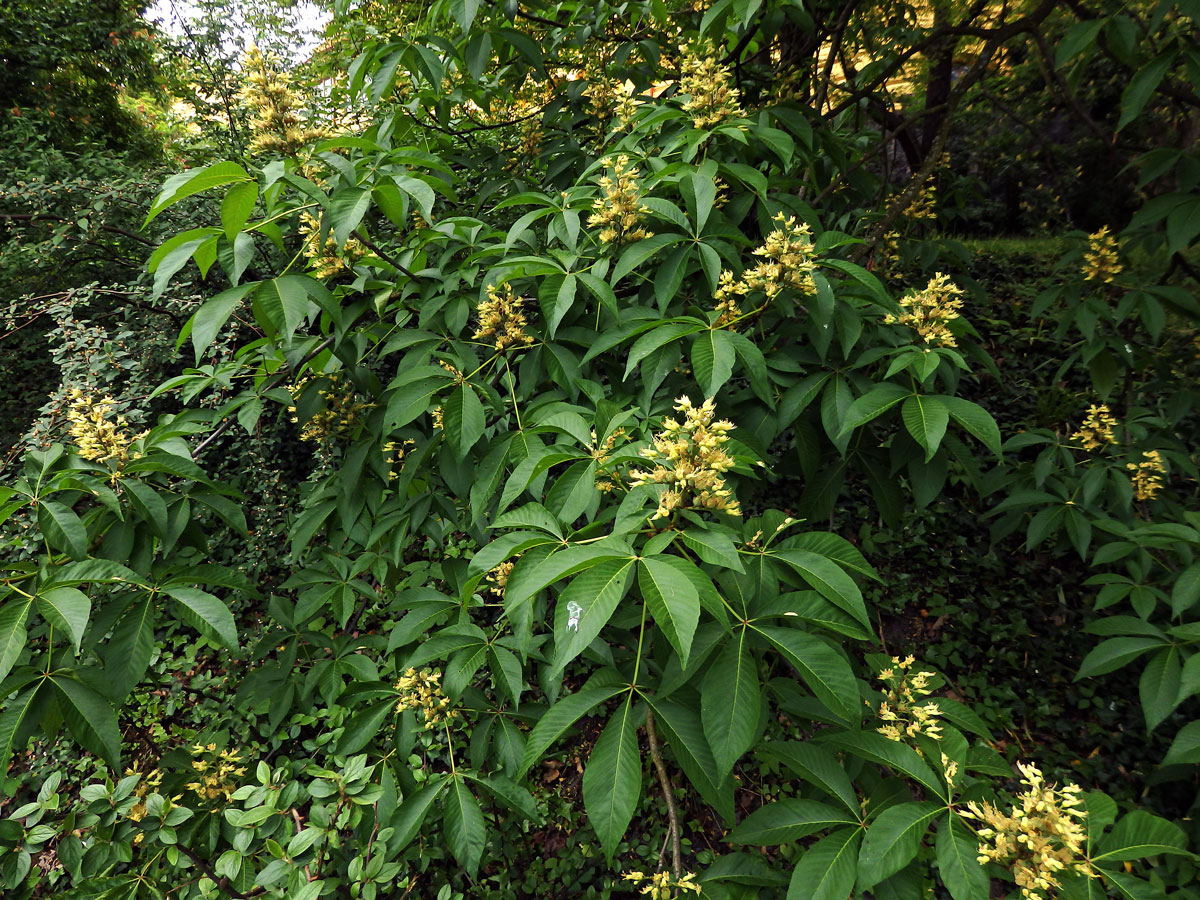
194	181
1141	88
957	851
16	722
877	749
685	736
463	420
67	609
730	701
700	193
816	765
1138	835
1185	749
673	601
561	716
826	672
410	815
1110	655
128	652
976	420
62	528
713	547
873	404
612	781
207	322
364	725
829	580
712	360
90	717
1186	590
13	617
465	832
281	304
826	871
237	206
640	251
786	821
206	614
893	840
346	210
1158	687
585	607
926	416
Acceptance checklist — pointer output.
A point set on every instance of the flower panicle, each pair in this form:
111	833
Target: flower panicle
691	462
1101	260
930	311
1148	475
902	713
708	86
421	690
502	319
618	211
1042	836
789	262
1097	428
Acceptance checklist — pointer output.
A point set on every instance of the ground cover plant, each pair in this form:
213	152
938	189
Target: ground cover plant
592	460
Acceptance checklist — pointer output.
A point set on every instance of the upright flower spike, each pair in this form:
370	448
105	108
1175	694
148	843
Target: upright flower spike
1097	428
277	125
1101	261
1040	838
501	318
100	434
929	312
901	711
422	691
708	86
691	461
789	263
618	210
1147	475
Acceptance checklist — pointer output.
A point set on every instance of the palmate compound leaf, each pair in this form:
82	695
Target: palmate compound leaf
612	781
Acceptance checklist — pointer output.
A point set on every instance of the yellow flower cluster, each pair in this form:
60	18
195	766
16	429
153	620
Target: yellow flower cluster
277	124
930	312
711	96
149	781
217	772
900	710
394	453
323	257
1148	475
100	434
618	211
423	691
695	462
1041	837
789	263
1101	261
501	318
661	886
924	205
1097	428
608	97
498	577
342	410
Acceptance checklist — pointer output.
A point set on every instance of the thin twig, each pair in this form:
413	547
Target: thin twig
668	791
